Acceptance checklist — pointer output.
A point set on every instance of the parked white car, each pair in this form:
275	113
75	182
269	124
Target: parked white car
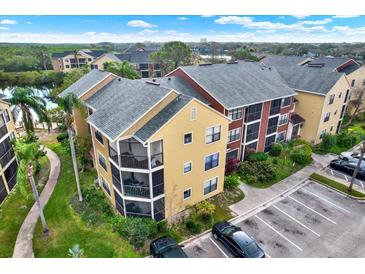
351	157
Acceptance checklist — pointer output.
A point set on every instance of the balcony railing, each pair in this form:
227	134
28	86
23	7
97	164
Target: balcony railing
137	191
5	159
113	154
3	131
134	161
156	160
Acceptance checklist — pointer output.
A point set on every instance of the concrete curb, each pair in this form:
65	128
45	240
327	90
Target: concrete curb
24	243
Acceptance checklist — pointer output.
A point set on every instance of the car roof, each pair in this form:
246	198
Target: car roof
242	237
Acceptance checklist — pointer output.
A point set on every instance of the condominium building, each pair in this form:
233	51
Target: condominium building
8	162
255	98
67	60
324	86
157	149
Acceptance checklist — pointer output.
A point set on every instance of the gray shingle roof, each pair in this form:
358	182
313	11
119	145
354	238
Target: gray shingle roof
180	85
331	63
162	117
121	102
85	83
281	60
136	57
242	84
309	79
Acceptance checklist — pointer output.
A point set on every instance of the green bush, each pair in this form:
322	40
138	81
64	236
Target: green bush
257	157
275	161
301	154
62	137
193	227
276	150
263	171
135	230
328	141
231	181
205	210
97	200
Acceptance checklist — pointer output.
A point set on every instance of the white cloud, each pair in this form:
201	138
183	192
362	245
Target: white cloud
147	31
182	18
140	24
28	23
300	16
90	33
345	16
4	28
207	16
8	22
317	22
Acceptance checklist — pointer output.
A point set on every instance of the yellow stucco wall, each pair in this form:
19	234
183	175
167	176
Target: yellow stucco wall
359	77
176	154
100	61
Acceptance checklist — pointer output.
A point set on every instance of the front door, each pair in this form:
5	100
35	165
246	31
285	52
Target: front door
295	131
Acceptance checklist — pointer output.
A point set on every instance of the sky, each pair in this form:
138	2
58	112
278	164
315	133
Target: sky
119	29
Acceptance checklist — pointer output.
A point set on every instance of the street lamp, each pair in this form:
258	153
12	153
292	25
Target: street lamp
362	152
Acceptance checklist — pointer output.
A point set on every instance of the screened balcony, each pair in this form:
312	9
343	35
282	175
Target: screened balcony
136	184
133	154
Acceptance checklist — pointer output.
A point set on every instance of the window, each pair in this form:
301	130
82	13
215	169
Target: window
326	116
143	66
340	95
234	135
210	185
269	141
353	83
272	125
211	161
323	132
67	66
105	185
251	147
157	74
284	119
347	96
280	136
12	136
188	138
6	116
187	167
233	154
156	66
212	134
253	113
102	161
89	59
144	74
331	128
235	114
286	102
331	99
193	114
335	112
252	132
99	137
187	194
275	107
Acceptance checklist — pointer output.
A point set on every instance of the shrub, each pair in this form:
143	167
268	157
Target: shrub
62	137
205	210
275	161
263	171
231	181
276	150
231	166
346	140
193	227
301	154
328	141
257	157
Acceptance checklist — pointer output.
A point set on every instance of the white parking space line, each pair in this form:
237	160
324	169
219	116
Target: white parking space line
220	249
328	219
295	220
347	180
362	185
323	199
279	233
331	171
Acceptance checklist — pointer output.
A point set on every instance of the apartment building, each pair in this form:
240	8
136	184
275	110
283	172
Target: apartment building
255	98
324	86
8	162
138	57
156	149
65	61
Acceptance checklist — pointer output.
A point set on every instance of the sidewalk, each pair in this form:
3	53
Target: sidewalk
255	197
24	242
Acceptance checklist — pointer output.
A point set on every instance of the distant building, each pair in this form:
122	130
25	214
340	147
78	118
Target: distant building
65	61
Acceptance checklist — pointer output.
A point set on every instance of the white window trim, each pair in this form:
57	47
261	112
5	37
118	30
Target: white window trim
228	151
191	167
191	193
101	182
239	130
95	130
216	177
232	120
282	115
205	135
102	155
219	159
196	114
185	144
276	139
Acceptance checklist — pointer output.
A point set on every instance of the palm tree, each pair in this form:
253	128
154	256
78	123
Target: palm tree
75	52
26	100
68	103
26	153
75	251
124	69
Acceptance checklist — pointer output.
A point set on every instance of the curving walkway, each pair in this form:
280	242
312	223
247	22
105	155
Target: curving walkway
24	242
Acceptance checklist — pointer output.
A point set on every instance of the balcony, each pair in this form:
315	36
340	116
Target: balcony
3	130
136	184
133	161
5	159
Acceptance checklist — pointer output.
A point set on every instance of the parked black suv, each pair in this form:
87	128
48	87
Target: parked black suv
238	242
348	167
166	247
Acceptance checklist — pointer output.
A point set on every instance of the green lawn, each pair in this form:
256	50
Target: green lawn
66	226
341	187
15	209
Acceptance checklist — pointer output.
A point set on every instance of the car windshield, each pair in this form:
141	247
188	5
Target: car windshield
229	230
251	248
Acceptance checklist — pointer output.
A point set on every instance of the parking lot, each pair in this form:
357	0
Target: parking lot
314	221
343	176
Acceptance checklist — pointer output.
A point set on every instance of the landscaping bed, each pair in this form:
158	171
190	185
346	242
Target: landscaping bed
16	207
339	186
